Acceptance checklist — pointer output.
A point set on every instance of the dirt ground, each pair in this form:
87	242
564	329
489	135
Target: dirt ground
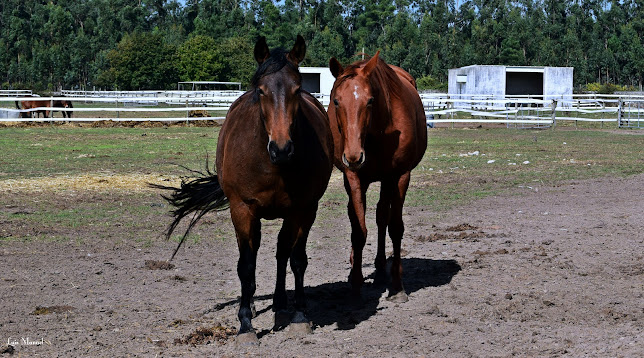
547	272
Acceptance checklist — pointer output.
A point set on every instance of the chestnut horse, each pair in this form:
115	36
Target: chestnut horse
378	125
44	103
274	160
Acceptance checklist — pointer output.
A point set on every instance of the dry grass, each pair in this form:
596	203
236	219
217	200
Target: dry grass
100	182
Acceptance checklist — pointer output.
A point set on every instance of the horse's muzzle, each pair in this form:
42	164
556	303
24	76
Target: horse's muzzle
281	155
353	164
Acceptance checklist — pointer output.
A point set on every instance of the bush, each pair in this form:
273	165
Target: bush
430	83
606	88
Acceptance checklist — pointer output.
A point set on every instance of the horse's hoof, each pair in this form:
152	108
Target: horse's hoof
299	329
400	297
282	320
247	339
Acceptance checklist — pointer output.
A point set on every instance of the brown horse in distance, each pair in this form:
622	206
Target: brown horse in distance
44	103
378	125
274	160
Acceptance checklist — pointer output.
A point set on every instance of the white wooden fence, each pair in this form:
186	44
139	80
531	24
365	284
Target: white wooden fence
622	110
14	93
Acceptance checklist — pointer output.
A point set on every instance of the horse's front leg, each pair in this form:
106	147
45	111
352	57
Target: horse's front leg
396	230
356	190
247	228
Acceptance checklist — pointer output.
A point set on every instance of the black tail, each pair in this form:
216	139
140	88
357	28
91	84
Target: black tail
17	105
198	197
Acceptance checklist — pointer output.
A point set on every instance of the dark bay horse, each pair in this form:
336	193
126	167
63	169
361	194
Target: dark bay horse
274	160
378	125
44	103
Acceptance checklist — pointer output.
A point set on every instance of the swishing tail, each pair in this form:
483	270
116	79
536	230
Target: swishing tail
198	197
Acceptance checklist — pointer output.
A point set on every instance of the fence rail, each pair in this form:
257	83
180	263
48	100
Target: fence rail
623	110
14	93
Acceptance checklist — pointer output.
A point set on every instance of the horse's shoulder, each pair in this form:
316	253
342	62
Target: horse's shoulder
243	100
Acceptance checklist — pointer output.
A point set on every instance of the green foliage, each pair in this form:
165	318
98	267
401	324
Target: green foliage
239	64
198	59
430	83
605	88
81	44
141	61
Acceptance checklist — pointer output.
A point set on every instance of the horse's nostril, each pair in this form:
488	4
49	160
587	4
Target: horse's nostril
281	155
289	148
272	148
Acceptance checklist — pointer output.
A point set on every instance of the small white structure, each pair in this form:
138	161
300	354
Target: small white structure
508	81
317	80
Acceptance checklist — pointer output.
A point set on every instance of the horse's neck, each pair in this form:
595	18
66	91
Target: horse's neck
381	115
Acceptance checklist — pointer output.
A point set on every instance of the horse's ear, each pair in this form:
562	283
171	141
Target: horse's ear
336	67
261	52
299	50
371	64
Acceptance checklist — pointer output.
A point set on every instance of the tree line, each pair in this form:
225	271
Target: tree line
152	44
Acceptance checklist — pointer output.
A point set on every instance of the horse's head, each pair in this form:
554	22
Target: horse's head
278	84
352	99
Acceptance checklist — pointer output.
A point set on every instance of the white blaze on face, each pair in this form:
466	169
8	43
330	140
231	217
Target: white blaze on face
355	92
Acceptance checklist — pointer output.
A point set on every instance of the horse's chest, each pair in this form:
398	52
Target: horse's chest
276	192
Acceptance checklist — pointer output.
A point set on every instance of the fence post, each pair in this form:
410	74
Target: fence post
554	113
619	112
187	113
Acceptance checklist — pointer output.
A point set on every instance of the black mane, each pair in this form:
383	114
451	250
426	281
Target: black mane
273	64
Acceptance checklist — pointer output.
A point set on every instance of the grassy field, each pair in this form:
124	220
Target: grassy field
71	177
48	151
459	163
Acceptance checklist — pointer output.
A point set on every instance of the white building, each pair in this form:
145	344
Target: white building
317	80
507	81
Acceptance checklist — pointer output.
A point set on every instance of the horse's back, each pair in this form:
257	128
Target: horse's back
404	75
408	115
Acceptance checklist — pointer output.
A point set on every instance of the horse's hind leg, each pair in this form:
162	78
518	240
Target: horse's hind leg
284	246
247	227
396	229
382	220
299	262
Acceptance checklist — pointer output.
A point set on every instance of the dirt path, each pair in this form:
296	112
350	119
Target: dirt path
551	272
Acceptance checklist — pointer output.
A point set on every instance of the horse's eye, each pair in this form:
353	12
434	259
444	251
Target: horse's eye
259	91
335	101
370	101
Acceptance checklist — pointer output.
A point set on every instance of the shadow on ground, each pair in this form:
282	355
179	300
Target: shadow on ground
333	303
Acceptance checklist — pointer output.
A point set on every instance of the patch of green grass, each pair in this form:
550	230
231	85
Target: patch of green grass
45	151
459	166
463	165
